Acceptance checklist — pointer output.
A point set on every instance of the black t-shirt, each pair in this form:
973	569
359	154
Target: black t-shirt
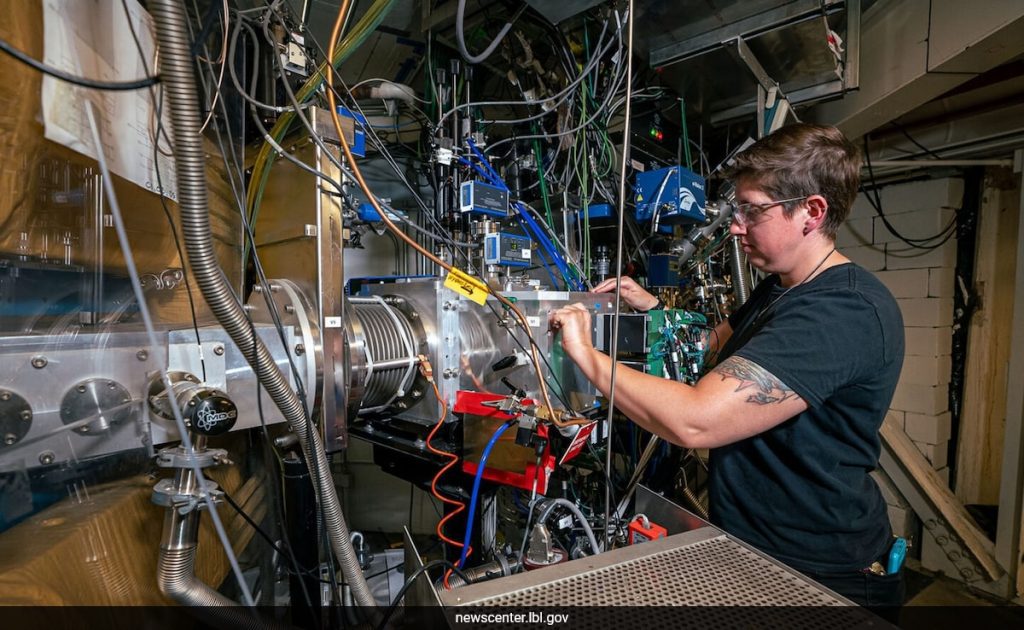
801	490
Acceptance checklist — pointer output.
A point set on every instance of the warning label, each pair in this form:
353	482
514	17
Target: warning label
466	285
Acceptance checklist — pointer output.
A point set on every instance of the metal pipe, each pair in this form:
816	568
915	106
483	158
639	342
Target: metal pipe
179	84
502	567
175	572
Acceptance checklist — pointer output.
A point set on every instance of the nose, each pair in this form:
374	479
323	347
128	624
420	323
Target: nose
736	229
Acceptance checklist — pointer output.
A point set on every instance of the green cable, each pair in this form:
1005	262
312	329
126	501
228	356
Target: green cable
266	156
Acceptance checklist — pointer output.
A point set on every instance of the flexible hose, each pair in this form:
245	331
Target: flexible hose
460	36
738	267
176	578
179	83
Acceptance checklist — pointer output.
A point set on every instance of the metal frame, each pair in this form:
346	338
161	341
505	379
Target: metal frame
752	26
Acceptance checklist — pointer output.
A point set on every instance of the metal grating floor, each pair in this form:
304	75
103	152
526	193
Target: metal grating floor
689	579
714	572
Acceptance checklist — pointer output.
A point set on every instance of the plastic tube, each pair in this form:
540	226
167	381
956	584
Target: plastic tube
476	488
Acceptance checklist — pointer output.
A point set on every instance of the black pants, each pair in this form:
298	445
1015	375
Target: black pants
882	594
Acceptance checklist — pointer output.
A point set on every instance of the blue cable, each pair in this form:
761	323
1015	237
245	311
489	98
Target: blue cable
476	488
493	178
540	256
483	159
477	168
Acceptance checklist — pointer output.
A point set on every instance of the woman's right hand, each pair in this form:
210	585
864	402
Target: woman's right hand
632	293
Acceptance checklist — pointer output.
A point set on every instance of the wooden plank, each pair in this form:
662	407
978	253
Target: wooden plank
930	487
979	448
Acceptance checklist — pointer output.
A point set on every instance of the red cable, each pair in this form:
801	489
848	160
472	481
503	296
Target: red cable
433	483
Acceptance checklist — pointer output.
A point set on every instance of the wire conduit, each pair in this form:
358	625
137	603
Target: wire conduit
179	82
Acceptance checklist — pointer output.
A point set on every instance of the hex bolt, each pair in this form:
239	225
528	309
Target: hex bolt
218	350
5	396
142	355
274	287
258	288
10	438
47	457
26	415
300	349
39	362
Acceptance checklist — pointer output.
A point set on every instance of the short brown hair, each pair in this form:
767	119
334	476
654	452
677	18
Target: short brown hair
804	159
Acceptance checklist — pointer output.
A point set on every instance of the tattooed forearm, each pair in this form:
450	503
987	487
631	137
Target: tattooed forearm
766	388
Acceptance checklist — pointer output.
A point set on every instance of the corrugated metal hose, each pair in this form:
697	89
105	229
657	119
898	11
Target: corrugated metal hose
179	83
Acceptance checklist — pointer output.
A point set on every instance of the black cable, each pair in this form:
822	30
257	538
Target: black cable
876	203
409	581
906	133
266	436
75	80
158	107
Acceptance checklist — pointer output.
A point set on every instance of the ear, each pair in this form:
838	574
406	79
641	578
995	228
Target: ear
817	210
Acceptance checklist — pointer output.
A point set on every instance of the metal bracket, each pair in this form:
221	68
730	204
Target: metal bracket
772	105
165	494
179	458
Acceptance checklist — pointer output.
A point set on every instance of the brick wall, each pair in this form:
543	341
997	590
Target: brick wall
922	281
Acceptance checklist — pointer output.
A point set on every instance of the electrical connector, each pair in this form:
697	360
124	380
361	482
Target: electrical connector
426	369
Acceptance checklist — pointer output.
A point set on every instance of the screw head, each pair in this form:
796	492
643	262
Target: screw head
26	415
39	362
300	349
142	355
111	385
80	389
218	350
10	438
5	396
47	457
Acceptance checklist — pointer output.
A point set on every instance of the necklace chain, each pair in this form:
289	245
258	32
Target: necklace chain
786	292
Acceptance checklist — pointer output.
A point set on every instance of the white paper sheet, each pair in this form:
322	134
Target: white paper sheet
92	38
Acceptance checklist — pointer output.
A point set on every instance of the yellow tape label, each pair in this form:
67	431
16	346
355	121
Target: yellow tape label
467	285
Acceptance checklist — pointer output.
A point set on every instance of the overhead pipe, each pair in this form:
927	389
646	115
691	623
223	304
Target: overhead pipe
179	84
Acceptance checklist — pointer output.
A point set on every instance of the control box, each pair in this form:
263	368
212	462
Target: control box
675	195
483	198
508	250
